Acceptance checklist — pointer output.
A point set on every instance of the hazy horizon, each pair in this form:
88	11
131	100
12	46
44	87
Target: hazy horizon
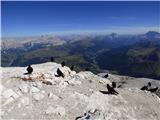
79	33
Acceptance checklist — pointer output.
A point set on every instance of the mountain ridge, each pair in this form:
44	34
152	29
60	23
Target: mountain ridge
85	52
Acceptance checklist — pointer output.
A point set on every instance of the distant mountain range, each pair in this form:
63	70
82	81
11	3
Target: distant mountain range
134	55
139	60
31	42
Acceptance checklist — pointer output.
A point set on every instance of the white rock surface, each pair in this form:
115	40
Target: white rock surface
73	81
56	110
24	88
9	100
52	96
38	96
1	88
37	84
9	93
34	89
77	95
23	102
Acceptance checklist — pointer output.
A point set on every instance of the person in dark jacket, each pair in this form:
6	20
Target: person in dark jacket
52	59
59	73
63	64
29	69
87	69
72	67
113	84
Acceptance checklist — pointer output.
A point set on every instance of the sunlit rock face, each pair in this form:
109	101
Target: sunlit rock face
43	95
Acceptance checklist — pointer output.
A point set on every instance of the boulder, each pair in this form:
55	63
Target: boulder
63	84
37	76
26	78
24	101
34	89
9	93
48	75
38	96
56	110
60	111
91	115
80	96
37	84
9	100
85	74
73	81
47	82
1	88
52	96
24	88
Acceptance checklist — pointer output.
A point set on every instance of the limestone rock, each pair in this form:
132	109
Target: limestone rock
91	115
48	82
9	93
37	84
74	82
60	111
38	96
80	96
52	96
24	101
34	89
74	96
9	100
1	88
56	110
24	88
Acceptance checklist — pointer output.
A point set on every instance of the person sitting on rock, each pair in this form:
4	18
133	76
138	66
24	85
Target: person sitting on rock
113	84
149	84
111	90
59	73
87	69
72	67
52	59
29	69
63	64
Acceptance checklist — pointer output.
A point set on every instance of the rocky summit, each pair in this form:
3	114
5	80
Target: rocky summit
76	96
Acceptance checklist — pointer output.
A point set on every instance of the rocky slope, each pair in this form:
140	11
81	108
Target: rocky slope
41	95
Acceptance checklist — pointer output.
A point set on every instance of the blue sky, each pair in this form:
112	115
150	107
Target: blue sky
35	18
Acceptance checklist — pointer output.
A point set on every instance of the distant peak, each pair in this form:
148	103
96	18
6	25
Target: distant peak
113	35
152	34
